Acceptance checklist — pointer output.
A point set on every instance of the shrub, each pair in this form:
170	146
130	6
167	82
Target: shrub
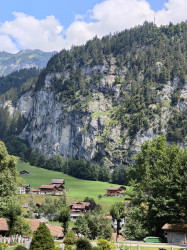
20	248
70	238
97	248
83	244
3	246
67	247
106	245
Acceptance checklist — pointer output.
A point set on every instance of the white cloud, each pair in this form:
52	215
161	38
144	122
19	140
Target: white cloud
109	16
32	33
6	44
174	11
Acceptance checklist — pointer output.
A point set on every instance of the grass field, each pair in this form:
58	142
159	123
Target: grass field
79	189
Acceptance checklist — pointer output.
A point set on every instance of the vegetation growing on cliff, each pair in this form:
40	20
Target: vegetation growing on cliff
139	74
145	58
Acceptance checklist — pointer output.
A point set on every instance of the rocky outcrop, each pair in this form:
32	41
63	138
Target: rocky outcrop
85	129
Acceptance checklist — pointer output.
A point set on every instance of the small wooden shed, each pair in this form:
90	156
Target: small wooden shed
176	233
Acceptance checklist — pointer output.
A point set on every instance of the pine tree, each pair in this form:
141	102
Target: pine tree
42	239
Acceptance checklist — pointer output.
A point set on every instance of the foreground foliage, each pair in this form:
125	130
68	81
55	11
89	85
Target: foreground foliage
105	245
10	206
83	244
94	226
70	238
160	188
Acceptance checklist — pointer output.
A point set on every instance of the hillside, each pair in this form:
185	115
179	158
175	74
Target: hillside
101	101
79	189
23	59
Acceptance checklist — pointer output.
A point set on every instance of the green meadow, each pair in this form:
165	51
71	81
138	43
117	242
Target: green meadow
78	189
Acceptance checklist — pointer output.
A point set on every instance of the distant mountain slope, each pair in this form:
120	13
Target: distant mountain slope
23	59
101	101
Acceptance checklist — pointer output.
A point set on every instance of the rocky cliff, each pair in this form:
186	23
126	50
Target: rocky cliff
104	110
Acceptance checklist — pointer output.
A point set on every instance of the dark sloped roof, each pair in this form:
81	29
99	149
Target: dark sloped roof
175	227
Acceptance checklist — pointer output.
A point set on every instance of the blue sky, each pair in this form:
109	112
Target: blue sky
53	25
63	10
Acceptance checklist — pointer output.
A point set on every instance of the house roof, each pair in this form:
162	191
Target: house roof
175	227
36	190
113	188
3	224
44	220
108	216
77	205
54	230
50	186
34	223
57	181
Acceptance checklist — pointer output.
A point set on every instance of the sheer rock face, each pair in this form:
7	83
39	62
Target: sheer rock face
56	126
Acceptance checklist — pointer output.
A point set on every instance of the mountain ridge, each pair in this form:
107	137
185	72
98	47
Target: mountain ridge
101	101
23	59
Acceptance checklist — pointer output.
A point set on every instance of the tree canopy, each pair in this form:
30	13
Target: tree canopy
159	178
8	179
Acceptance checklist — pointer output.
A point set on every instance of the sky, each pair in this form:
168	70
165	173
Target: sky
52	25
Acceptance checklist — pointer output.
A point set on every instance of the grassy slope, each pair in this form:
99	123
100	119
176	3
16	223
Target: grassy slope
79	189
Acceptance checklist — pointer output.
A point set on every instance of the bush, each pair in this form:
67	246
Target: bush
68	247
97	248
3	246
106	245
70	238
20	248
83	244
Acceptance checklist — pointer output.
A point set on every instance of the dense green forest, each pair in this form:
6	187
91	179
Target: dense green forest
147	57
17	83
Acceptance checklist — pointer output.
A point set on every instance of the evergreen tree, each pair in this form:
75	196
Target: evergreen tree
83	244
42	239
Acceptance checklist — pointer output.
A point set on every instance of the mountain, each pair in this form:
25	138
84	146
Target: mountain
101	101
23	59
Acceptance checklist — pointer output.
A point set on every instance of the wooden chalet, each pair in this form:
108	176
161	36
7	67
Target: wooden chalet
175	233
55	187
48	189
114	191
79	208
59	183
